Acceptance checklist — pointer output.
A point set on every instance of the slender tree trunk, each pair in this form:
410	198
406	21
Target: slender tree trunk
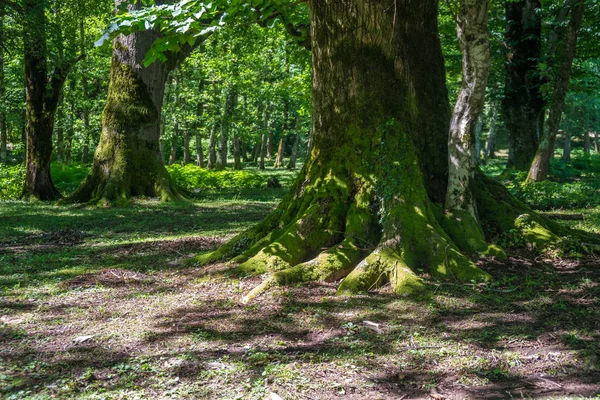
256	152
490	143
279	160
596	149
461	206
587	144
187	157
3	127
85	113
270	143
127	161
174	141
564	56
567	147
199	151
237	163
212	147
60	131
225	128
479	139
70	132
294	153
263	150
523	103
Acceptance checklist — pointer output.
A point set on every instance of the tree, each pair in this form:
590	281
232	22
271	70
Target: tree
43	94
523	101
3	128
471	26
127	161
563	46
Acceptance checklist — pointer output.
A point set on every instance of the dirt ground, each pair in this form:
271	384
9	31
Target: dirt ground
181	332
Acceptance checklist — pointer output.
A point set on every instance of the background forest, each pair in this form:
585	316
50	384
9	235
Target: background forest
103	294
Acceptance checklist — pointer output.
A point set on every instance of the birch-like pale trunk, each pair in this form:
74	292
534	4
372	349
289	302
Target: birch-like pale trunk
471	26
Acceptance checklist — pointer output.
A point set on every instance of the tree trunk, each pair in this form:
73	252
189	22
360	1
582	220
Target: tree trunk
237	162
70	133
479	138
471	26
567	147
42	95
490	143
230	103
174	141
523	103
566	48
294	153
256	152
85	113
586	142
270	144
280	149
377	163
263	150
187	157
60	133
199	151
127	161
596	149
3	127
212	145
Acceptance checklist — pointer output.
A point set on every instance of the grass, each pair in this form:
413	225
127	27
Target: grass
95	304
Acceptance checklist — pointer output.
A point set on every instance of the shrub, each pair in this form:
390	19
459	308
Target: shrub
11	181
192	178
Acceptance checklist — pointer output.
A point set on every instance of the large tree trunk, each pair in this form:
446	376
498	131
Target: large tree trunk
563	56
523	103
376	163
471	26
199	151
127	161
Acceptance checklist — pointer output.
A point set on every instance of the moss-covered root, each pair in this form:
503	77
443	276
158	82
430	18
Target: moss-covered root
381	266
468	236
331	265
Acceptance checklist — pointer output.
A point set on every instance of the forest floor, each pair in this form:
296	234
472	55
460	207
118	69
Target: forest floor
96	304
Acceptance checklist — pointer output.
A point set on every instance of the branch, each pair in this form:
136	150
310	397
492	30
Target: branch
58	80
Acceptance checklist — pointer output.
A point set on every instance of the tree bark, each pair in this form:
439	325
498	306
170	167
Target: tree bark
461	208
3	126
127	161
596	148
187	157
279	160
567	147
60	133
42	97
85	113
294	154
563	56
225	128
212	146
587	144
523	103
237	161
174	140
263	150
376	164
199	151
490	143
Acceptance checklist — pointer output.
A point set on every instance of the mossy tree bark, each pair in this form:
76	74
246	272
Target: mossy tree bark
465	124
523	103
127	161
42	98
